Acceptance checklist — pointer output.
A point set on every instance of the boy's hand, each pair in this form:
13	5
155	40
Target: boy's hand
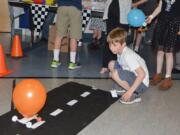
126	96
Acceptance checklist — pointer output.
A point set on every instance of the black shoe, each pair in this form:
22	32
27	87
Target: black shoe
175	70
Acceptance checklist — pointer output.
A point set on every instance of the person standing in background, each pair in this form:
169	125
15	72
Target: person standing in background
97	24
176	68
115	15
166	39
68	18
147	6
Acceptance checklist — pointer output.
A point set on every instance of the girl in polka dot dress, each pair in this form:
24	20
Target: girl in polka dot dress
165	38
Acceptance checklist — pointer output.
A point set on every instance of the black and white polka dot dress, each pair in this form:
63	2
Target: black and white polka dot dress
167	27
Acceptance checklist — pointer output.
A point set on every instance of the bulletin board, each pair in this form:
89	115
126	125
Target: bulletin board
5	22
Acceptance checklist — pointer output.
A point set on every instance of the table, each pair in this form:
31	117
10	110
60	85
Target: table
86	13
31	22
52	8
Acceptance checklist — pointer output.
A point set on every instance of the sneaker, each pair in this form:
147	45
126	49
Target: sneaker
120	91
55	64
73	65
134	99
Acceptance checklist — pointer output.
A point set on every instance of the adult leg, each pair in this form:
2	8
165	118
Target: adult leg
99	34
73	48
112	22
159	64
138	41
75	29
56	52
57	46
169	64
167	82
95	43
170	45
177	62
177	55
160	60
161	31
60	33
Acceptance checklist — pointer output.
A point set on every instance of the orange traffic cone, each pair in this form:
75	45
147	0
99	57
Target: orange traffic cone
3	68
16	50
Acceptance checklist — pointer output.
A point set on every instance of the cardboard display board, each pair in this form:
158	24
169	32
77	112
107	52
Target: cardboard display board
51	39
5	22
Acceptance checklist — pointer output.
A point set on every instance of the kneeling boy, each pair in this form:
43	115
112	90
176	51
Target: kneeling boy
129	71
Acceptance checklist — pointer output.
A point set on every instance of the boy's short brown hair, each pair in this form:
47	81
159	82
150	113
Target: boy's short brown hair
117	35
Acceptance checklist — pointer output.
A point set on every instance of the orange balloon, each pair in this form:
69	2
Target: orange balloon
29	97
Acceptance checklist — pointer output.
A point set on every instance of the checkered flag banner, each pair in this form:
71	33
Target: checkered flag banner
86	14
39	14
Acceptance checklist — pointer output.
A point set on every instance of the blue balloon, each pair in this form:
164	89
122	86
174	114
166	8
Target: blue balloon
136	17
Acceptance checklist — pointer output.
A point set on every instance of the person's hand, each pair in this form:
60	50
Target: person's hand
149	19
134	5
178	33
103	70
126	96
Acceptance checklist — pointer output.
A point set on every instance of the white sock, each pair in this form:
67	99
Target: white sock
56	54
73	57
136	48
167	76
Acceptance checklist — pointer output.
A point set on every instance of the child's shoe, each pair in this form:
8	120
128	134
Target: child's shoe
156	79
120	91
73	66
166	84
134	99
55	64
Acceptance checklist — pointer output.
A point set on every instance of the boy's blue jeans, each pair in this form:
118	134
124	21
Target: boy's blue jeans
129	77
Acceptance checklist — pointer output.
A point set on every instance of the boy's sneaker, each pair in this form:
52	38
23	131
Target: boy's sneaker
120	91
73	65
55	64
134	99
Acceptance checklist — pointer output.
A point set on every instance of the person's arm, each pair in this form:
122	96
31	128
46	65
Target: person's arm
139	78
138	3
155	13
107	4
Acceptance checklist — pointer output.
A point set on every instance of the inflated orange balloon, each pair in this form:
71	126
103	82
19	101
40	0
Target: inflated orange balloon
29	97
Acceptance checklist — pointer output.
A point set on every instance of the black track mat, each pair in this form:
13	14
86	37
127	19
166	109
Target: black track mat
73	118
